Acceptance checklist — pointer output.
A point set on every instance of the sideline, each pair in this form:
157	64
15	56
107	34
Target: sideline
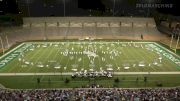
70	73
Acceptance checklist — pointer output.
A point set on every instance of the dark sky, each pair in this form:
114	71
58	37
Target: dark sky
174	10
82	7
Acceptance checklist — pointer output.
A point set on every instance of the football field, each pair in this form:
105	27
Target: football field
55	62
89	56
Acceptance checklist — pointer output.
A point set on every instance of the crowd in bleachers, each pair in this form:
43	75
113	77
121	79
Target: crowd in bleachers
98	94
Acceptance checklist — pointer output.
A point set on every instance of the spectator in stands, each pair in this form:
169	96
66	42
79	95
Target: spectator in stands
171	94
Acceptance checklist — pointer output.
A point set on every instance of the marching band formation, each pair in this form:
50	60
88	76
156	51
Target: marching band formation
104	51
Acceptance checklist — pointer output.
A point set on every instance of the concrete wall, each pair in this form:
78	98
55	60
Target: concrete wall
77	21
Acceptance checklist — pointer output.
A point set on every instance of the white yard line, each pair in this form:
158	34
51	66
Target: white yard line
37	59
144	58
17	64
125	55
115	60
56	54
106	56
45	59
77	55
50	53
74	58
32	57
100	63
70	73
148	60
130	52
83	55
61	57
67	57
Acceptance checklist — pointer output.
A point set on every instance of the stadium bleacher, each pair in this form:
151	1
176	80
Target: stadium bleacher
96	94
94	26
49	28
89	50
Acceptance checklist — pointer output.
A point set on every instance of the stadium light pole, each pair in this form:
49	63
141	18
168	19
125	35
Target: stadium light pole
27	1
114	2
2	44
148	9
64	8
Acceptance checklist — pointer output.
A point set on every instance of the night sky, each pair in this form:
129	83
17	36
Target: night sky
84	7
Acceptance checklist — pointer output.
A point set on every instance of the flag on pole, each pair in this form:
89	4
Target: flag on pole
177	43
171	41
7	41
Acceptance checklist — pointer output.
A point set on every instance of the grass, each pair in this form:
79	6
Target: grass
114	55
43	57
125	81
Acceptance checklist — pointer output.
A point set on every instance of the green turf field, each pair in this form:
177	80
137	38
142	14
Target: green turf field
125	81
45	57
91	56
